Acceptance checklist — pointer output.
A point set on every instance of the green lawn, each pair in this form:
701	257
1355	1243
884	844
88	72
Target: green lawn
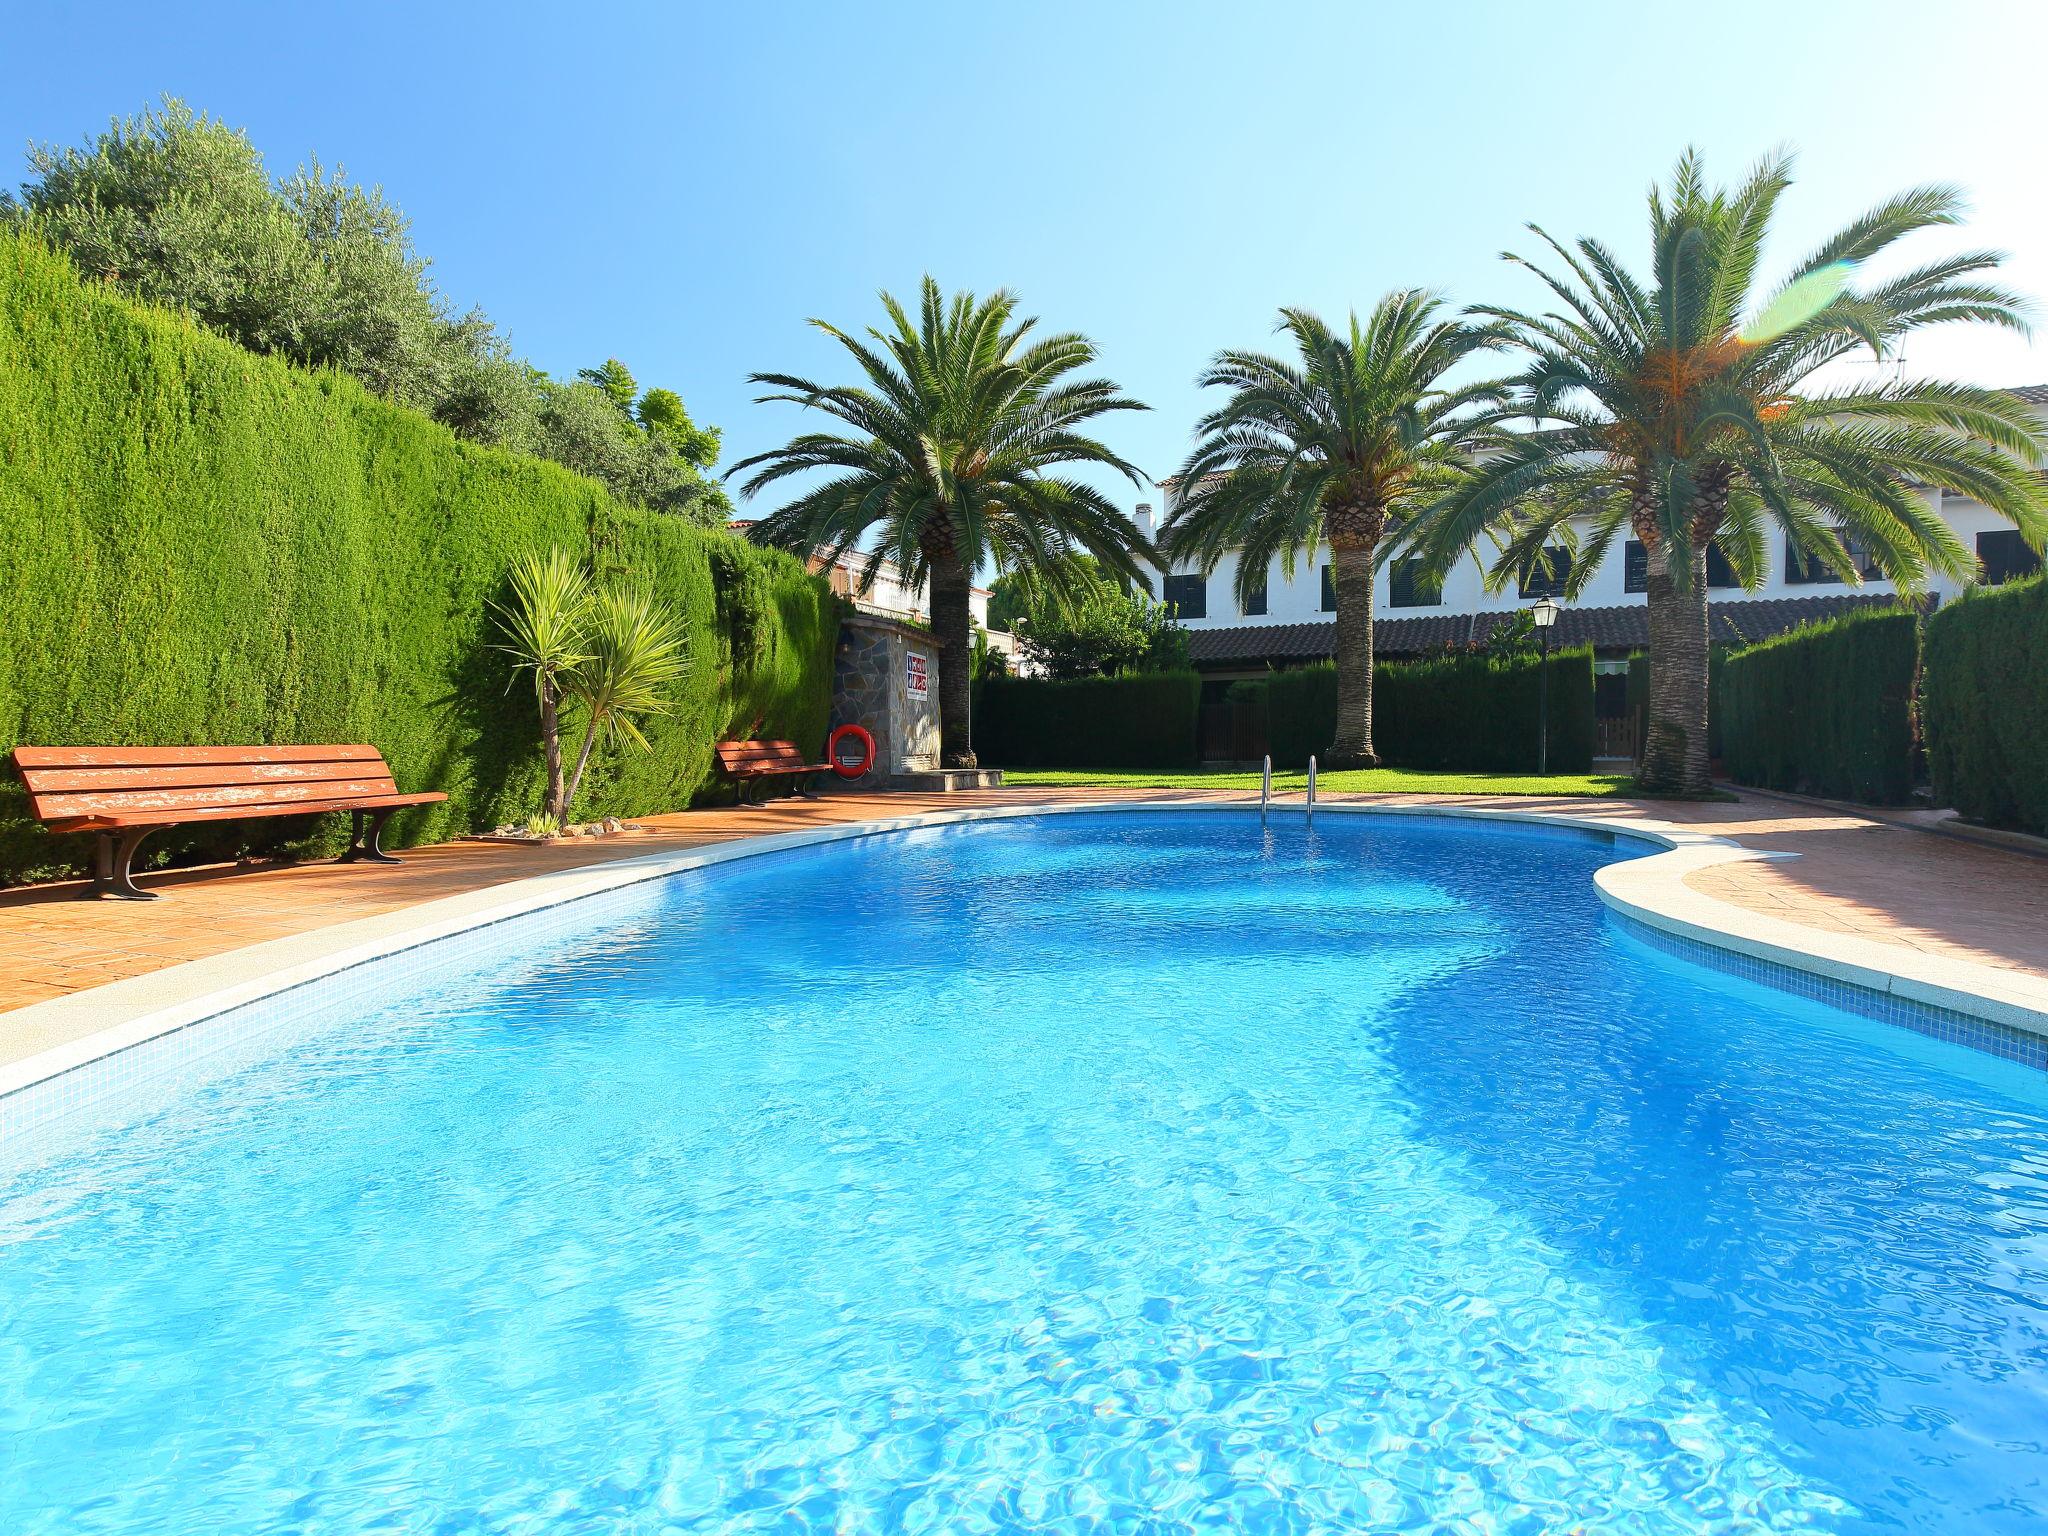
1381	781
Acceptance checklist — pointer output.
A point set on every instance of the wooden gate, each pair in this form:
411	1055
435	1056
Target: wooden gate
1233	730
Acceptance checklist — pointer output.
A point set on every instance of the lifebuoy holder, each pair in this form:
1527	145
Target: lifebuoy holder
845	767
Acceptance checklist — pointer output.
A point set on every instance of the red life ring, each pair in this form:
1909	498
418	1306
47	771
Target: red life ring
842	766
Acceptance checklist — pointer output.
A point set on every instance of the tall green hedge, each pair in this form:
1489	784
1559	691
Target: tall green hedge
1477	713
1826	709
1145	720
201	545
1984	705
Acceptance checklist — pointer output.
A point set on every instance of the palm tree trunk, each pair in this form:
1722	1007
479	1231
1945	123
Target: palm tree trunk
551	748
1675	762
953	626
1352	559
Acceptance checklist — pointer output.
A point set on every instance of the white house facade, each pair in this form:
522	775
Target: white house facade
1289	620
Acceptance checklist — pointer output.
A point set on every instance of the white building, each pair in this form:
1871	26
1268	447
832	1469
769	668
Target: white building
1289	622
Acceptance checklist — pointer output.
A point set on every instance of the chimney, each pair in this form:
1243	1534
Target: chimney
1144	516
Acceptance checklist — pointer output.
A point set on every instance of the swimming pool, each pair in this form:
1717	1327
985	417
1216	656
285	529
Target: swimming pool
1121	1172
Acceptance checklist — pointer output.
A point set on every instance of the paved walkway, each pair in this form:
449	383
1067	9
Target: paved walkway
1887	883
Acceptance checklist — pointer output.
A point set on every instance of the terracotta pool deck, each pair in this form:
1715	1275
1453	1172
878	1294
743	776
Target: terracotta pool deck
1887	884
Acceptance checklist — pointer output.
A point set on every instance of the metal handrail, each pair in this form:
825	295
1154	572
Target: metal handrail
1265	786
1310	812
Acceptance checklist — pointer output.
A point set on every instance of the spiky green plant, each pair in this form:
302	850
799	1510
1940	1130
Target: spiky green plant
1686	409
948	463
1345	445
635	653
546	627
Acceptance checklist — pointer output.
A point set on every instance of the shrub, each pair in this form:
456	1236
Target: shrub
1826	709
203	545
1144	720
1984	705
1100	631
1471	711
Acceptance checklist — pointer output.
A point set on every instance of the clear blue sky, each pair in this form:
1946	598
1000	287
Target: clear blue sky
681	185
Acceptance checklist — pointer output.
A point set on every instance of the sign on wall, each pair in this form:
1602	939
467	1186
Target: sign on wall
916	675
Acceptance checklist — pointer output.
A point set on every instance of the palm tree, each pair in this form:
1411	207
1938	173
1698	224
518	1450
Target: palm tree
952	439
1685	410
1348	445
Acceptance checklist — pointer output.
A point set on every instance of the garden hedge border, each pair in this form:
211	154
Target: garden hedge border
1984	705
1141	720
1826	709
202	545
1476	713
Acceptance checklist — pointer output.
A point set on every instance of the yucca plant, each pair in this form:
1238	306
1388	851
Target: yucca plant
1685	409
546	628
636	652
612	651
949	460
1346	445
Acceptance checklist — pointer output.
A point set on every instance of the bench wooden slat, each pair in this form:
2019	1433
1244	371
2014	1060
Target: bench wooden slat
125	802
142	757
44	781
180	816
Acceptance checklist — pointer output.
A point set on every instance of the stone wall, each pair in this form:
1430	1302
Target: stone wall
879	664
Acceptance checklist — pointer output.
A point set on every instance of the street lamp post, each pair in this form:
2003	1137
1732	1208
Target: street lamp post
1545	615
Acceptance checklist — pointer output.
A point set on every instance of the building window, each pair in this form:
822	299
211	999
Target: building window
1329	589
1406	587
2005	556
1187	597
1804	570
1538	582
1635	569
1255	601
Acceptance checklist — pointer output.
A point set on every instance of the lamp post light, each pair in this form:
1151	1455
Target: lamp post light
1545	615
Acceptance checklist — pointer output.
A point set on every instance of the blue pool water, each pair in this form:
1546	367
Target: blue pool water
1107	1173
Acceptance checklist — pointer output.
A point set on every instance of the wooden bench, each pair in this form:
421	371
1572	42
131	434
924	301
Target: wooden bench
122	794
745	762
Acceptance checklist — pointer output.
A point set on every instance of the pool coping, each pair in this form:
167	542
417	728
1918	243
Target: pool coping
103	1021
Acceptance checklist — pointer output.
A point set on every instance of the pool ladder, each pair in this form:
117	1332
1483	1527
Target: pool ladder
1266	789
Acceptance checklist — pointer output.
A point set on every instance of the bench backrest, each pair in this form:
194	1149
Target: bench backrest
754	756
68	782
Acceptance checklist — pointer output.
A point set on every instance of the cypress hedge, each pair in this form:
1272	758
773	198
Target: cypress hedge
1984	705
1826	709
1140	720
202	545
1477	713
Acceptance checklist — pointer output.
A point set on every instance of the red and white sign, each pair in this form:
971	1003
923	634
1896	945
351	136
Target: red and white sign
916	675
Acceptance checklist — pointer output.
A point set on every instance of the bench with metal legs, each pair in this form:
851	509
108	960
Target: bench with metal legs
123	794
